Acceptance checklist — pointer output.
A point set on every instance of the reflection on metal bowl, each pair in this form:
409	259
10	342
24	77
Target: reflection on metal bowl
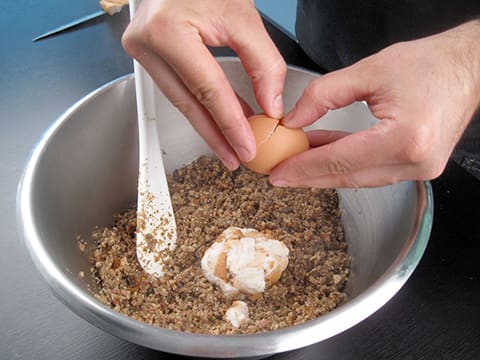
84	169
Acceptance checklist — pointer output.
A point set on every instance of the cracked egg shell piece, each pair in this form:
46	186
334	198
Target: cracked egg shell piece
275	143
237	314
244	261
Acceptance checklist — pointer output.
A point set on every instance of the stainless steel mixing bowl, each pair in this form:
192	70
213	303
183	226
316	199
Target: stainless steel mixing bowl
84	169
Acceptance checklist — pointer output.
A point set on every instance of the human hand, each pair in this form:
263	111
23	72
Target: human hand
169	38
424	92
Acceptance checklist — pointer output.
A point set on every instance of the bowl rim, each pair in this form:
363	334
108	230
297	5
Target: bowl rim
86	306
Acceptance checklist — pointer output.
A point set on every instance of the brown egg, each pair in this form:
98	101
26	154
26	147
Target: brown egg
275	143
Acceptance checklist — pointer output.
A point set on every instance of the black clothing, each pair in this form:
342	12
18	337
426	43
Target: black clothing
337	33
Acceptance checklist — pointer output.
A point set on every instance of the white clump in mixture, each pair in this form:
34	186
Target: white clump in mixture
244	261
237	314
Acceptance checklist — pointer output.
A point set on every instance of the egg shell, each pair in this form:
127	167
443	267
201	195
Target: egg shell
275	143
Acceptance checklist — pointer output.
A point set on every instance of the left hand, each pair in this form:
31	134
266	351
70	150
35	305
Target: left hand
170	38
424	92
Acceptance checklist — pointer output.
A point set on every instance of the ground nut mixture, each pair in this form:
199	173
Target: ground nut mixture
207	199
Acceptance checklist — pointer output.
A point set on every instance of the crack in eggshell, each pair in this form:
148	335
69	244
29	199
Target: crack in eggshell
275	143
270	134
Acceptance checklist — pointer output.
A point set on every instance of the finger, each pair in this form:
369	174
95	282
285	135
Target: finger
262	62
363	150
247	109
204	78
322	137
372	177
200	119
328	92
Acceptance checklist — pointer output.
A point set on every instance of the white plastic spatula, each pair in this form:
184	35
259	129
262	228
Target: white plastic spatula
156	229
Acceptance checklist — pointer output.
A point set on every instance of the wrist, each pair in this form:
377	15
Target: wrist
466	46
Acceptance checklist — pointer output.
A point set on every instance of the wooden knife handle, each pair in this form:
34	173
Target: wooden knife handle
113	6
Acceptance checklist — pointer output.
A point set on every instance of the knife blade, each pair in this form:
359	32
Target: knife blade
110	7
70	25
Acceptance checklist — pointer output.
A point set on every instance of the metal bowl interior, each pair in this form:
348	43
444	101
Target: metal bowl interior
84	169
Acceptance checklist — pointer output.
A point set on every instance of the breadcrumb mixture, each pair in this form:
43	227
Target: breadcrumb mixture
207	199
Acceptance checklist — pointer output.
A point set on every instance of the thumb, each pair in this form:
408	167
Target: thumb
328	92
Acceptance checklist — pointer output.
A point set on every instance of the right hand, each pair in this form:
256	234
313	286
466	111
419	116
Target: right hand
424	92
170	38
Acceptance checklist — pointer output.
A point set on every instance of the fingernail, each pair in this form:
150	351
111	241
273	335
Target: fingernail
230	164
244	154
278	182
278	107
